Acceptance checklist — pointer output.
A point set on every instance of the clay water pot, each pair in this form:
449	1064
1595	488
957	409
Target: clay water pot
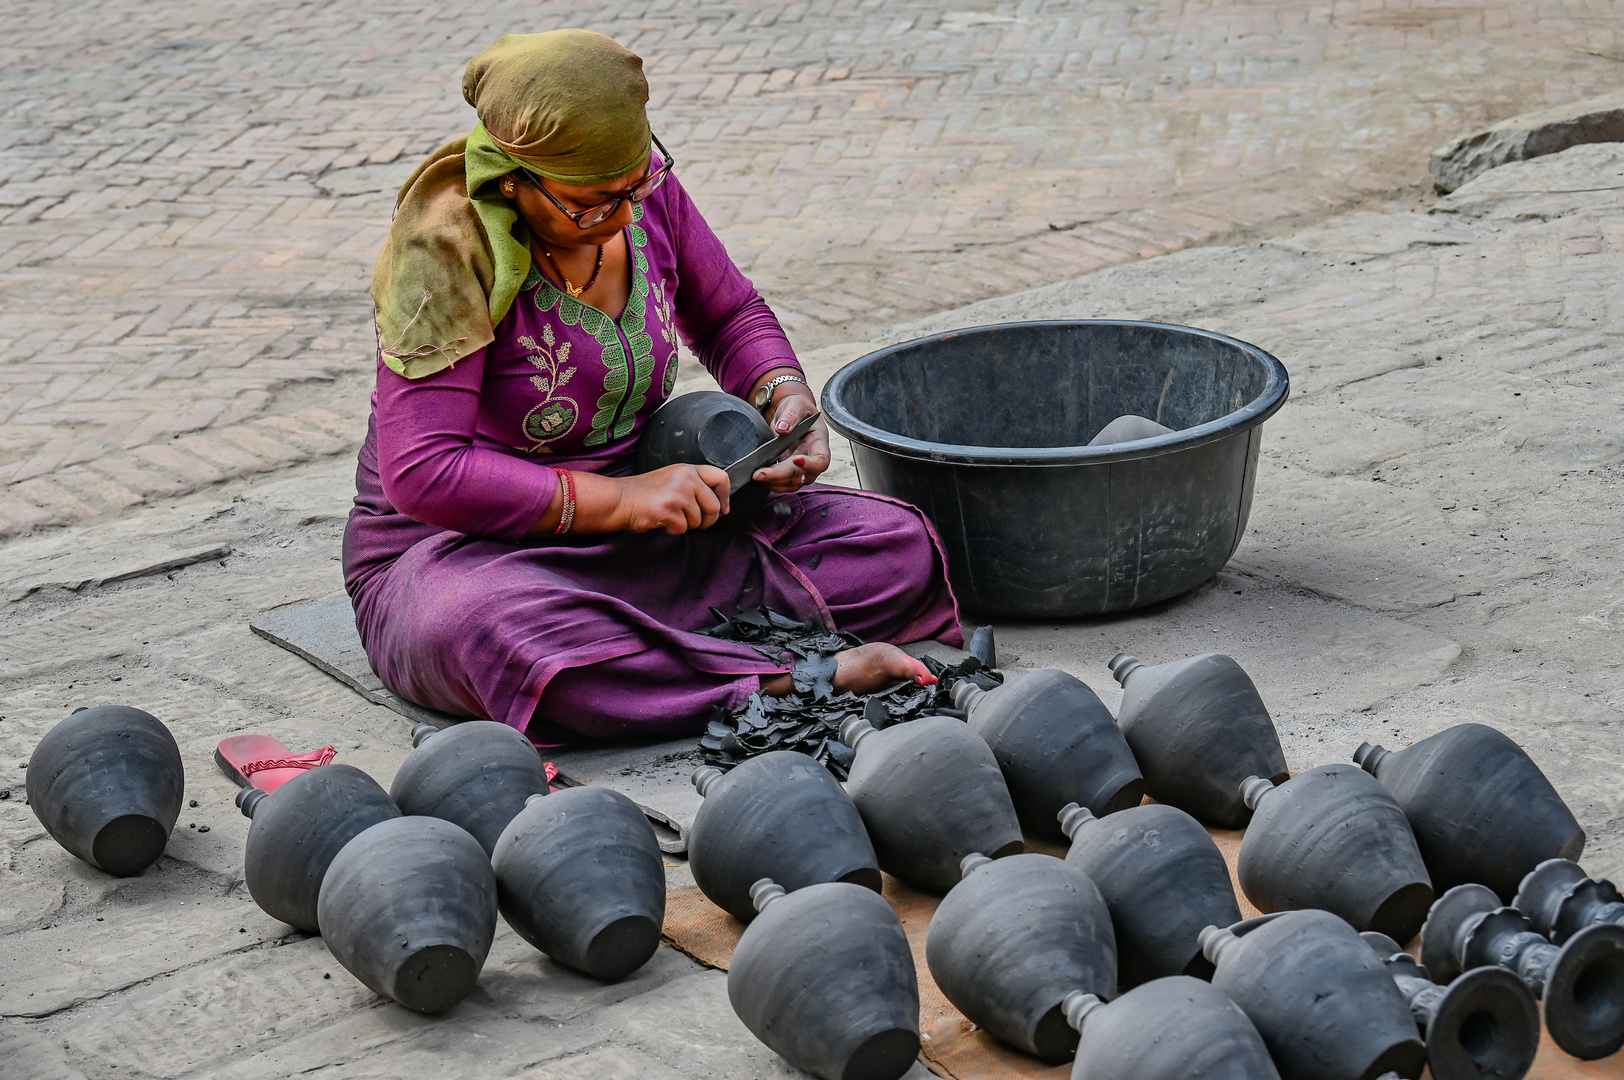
1581	982
1168	1029
107	784
1333	838
1560	900
779	815
476	774
824	977
409	908
1480	808
579	875
1128	428
1012	939
1319	996
706	427
1164	881
1056	743
1197	728
930	793
299	829
1482	1026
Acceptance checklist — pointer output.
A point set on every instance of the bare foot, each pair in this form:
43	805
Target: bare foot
863	670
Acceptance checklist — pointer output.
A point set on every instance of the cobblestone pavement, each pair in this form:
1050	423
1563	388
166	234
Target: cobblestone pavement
191	194
1433	540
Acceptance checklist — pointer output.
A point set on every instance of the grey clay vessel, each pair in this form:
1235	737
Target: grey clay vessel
579	875
1481	809
409	908
476	774
1319	996
1560	899
1012	939
297	832
1177	1028
107	784
930	793
706	427
1197	728
779	815
1164	881
1581	981
825	978
1482	1026
1333	838
1056	743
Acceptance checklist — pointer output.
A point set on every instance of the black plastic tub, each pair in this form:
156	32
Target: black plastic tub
986	430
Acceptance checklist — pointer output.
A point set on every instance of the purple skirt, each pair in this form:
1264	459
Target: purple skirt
594	636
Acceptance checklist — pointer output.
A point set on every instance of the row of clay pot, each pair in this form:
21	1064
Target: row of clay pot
404	886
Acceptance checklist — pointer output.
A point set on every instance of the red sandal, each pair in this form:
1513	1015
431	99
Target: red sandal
262	762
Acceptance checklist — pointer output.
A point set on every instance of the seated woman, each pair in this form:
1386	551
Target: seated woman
502	559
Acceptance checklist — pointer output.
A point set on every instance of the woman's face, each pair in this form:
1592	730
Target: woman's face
553	227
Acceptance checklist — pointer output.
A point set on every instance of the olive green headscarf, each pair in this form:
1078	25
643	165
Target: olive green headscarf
568	105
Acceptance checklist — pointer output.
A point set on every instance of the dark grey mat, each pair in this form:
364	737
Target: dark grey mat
652	773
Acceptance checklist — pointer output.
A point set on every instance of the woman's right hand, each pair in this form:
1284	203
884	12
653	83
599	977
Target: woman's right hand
676	498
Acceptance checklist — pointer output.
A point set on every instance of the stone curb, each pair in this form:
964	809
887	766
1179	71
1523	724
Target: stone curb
1597	119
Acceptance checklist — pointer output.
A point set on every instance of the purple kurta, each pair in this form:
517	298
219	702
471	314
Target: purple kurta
593	635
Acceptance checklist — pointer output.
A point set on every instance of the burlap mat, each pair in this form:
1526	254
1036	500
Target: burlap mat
953	1047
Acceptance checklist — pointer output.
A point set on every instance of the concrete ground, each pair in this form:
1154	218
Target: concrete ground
1433	538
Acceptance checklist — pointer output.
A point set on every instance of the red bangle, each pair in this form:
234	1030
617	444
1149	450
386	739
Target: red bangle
567	517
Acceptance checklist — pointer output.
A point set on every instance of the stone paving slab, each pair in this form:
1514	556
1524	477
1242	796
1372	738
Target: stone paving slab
1461	356
191	195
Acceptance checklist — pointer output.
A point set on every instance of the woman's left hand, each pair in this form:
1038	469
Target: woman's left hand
811	455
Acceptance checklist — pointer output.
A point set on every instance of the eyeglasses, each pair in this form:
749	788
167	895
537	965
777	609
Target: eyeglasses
601	213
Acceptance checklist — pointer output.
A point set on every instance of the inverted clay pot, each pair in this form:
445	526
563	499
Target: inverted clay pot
1560	900
1164	881
476	774
1012	939
1581	982
1168	1029
825	978
706	427
409	908
297	832
579	875
1319	996
1128	428
1333	838
1482	1026
1056	743
1197	728
930	793
779	815
1480	808
107	784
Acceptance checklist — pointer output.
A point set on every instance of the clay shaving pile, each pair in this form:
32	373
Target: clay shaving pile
808	719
